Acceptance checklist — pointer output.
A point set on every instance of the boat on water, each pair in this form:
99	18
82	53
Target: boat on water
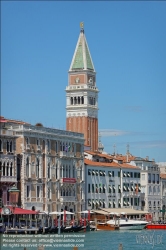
127	224
106	226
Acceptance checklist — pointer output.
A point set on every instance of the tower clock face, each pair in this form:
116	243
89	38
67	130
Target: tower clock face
6	210
91	80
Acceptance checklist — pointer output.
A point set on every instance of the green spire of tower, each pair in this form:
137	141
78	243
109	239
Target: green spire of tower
82	58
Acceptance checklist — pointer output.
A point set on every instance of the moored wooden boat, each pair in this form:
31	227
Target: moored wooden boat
107	227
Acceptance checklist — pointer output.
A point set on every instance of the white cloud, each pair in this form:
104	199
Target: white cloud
150	144
112	132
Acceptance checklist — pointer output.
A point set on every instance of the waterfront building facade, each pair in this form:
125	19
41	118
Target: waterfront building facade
150	185
8	163
82	94
110	183
163	194
50	168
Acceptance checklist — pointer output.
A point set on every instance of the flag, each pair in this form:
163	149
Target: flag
136	189
69	148
64	216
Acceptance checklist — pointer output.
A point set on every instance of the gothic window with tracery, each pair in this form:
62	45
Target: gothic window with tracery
7	172
7	146
49	170
1	146
10	146
4	169
11	167
27	167
37	168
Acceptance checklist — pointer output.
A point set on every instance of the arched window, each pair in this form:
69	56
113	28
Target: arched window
82	100
69	191
71	100
7	172
11	167
49	170
11	148
4	169
60	171
89	100
27	167
56	171
63	146
63	192
37	142
66	191
66	148
78	100
7	146
37	168
69	171
75	100
66	171
1	146
94	101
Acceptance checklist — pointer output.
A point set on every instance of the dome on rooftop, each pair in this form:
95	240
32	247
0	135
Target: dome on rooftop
39	124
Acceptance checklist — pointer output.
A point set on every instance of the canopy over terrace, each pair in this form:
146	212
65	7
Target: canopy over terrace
128	211
18	210
99	215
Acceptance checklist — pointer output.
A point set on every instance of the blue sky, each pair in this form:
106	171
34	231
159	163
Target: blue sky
127	44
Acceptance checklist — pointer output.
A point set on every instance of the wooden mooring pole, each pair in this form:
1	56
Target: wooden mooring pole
75	248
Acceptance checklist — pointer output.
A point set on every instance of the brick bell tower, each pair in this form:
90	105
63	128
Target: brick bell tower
82	94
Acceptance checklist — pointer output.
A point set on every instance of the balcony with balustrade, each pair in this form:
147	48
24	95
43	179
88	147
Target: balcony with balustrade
67	198
8	179
66	154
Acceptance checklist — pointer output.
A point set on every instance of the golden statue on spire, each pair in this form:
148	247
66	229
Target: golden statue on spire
82	25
